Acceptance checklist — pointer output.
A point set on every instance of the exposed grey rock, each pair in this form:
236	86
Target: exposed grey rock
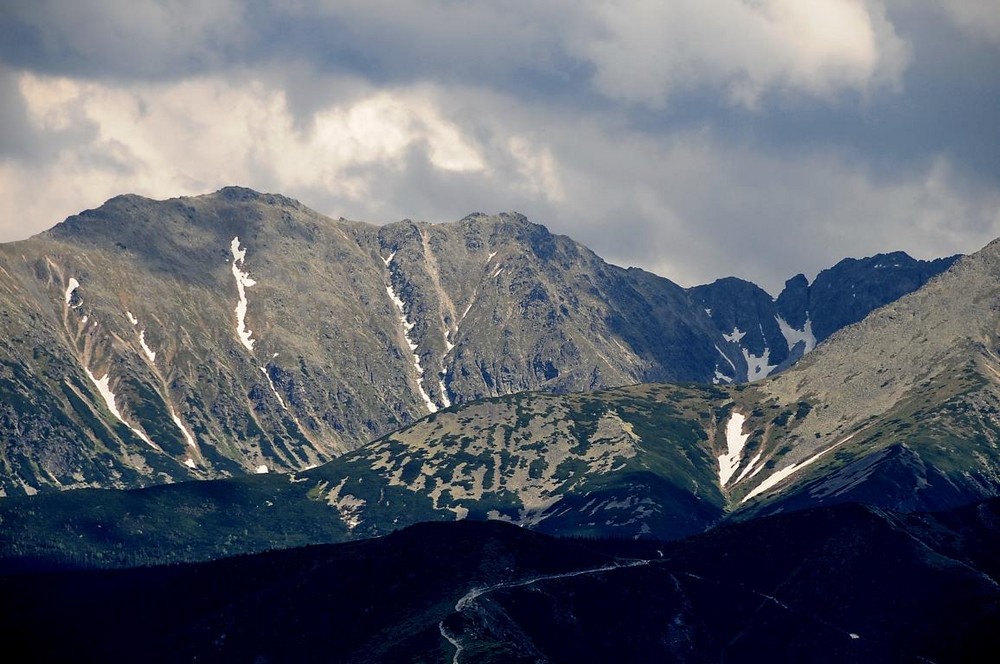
156	341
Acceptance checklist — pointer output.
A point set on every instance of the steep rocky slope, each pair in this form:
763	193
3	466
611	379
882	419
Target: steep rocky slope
898	411
770	334
156	341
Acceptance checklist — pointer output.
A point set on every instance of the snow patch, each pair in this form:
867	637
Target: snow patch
720	378
70	289
388	260
445	401
262	469
492	254
145	348
753	462
793	336
784	473
407	327
498	272
708	311
189	462
132	319
447	338
735	336
270	382
243	281
188	438
104	387
758	366
736	440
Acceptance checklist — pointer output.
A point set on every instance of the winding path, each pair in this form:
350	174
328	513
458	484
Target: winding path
474	594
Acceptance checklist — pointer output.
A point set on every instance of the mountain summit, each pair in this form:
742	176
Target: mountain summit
155	341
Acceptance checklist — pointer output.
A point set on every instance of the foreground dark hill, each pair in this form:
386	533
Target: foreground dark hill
156	341
847	583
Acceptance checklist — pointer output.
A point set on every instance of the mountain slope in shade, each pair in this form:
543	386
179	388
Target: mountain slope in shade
158	341
836	584
771	334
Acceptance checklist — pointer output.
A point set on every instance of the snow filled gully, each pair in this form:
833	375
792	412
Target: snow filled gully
243	281
407	328
736	440
103	386
772	480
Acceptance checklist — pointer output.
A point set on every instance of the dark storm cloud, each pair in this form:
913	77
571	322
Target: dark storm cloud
689	138
948	103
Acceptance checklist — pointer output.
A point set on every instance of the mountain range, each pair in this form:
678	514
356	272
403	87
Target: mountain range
158	341
494	447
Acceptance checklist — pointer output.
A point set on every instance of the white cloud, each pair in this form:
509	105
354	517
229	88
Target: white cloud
686	204
164	140
980	18
644	51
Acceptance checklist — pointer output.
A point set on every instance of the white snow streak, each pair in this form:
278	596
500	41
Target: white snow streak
735	441
793	336
132	319
445	401
388	260
243	281
73	285
188	438
104	387
491	256
753	462
270	382
726	358
407	326
794	468
145	348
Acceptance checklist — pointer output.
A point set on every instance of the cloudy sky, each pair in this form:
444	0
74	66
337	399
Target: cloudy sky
692	138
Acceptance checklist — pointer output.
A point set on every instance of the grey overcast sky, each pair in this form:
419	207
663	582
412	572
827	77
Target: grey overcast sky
693	138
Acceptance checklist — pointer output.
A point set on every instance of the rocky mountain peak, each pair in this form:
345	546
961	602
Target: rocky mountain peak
238	331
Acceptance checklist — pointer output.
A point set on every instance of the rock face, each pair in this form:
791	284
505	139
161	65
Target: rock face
769	335
155	341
